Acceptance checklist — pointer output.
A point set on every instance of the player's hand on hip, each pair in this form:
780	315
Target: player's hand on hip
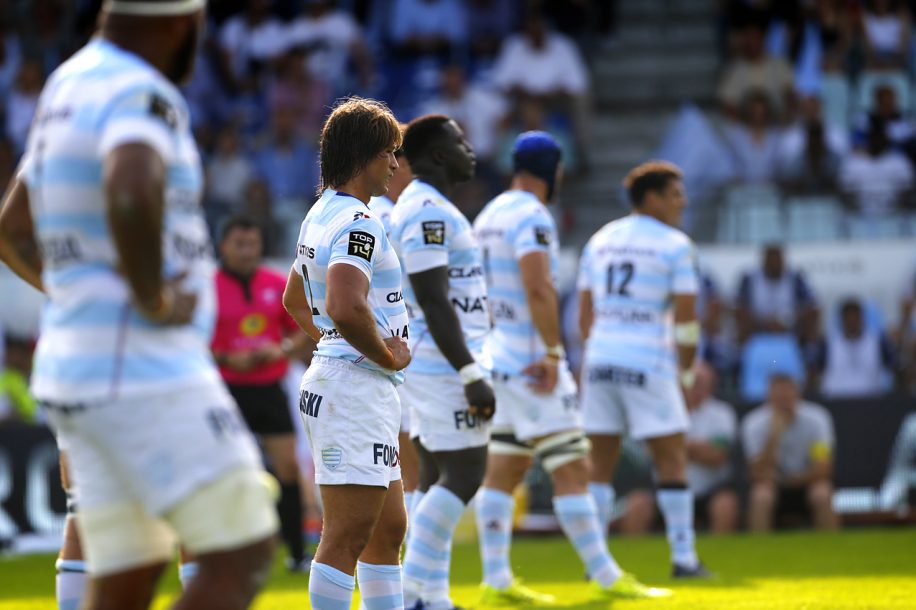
544	375
481	399
400	352
174	305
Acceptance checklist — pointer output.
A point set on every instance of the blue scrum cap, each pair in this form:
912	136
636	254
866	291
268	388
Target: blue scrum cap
537	153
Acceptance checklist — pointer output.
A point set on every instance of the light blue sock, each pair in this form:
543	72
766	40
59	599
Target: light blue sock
604	495
578	518
329	588
494	529
70	583
429	549
380	586
186	572
676	506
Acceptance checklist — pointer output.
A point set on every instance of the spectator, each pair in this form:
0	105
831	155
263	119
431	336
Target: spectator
287	161
294	87
22	102
10	57
250	41
755	140
428	28
491	22
545	67
755	69
854	360
330	38
715	345
479	111
834	24
530	116
886	33
710	439
877	180
775	299
228	171
900	129
16	403
810	152
788	444
253	340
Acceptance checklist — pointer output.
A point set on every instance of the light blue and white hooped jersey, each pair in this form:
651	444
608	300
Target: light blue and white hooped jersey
382	206
340	230
94	345
428	231
512	225
633	267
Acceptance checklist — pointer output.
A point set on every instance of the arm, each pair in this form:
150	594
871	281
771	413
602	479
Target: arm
296	303
763	465
586	313
431	290
706	452
347	304
134	182
545	314
686	330
18	247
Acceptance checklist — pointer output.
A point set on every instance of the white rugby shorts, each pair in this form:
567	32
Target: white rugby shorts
147	468
528	415
617	400
351	418
440	415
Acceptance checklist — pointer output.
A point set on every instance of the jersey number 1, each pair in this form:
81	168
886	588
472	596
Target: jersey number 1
308	285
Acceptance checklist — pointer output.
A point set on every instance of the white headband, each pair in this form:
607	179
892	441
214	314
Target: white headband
154	9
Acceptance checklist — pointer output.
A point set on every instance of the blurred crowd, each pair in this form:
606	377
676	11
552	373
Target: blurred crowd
815	98
268	71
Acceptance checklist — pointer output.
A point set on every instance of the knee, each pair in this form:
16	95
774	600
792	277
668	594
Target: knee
350	539
723	510
820	494
763	495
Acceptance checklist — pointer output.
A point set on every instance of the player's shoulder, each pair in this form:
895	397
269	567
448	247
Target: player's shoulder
756	418
813	412
381	204
419	201
720	409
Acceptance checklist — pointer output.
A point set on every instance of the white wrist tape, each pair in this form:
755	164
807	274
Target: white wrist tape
471	373
154	9
687	333
688	377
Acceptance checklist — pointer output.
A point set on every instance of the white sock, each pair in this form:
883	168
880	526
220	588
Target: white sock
70	583
578	518
604	495
676	506
380	586
429	549
494	529
186	572
329	588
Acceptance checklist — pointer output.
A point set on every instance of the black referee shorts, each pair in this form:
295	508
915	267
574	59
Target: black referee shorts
264	407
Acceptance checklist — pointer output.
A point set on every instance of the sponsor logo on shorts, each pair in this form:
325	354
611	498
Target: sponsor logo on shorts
361	244
433	232
332	457
616	374
309	403
466	419
388	454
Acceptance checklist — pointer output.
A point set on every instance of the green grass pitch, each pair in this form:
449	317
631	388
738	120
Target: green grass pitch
860	569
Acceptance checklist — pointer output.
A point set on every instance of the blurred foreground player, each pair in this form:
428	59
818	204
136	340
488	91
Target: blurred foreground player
538	412
344	269
156	447
637	298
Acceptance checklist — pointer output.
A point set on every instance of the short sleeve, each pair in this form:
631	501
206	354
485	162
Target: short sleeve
536	233
144	115
824	439
684	271
358	244
425	239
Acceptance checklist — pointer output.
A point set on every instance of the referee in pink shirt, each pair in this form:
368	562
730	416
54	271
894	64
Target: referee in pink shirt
252	343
